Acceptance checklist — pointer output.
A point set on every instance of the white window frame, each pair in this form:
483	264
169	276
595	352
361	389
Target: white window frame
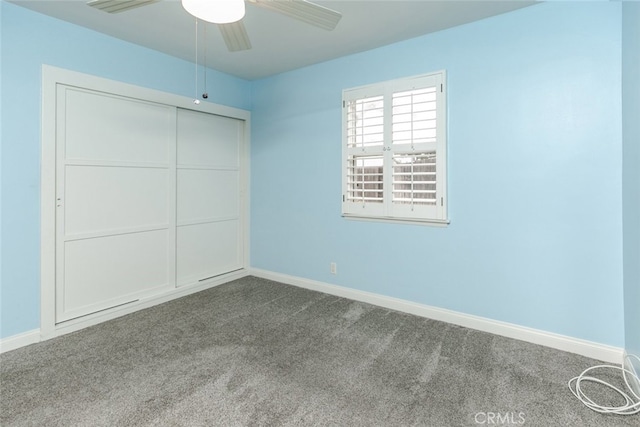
370	207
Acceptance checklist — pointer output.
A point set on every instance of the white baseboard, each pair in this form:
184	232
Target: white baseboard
16	341
633	381
94	319
561	342
37	335
590	349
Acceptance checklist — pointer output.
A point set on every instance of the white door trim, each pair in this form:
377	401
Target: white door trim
51	78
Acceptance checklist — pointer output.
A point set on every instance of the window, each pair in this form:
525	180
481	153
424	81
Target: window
394	150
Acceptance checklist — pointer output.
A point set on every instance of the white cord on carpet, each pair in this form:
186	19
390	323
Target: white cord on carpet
631	405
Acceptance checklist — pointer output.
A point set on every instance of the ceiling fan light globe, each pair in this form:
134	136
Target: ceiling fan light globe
215	11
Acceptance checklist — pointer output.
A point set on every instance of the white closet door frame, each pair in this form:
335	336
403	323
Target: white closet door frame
52	79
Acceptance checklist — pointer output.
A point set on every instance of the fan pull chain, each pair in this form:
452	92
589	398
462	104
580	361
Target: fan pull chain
205	95
195	99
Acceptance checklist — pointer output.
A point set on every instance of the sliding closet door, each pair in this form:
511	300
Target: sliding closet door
115	214
209	225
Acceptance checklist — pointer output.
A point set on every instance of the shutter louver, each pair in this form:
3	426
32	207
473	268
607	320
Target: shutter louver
414	116
365	122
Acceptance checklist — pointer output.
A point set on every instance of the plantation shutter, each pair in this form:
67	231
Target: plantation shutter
394	145
365	171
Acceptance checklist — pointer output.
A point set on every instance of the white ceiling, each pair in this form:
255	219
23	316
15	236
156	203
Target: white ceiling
279	43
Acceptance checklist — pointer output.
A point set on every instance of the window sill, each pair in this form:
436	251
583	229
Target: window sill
428	222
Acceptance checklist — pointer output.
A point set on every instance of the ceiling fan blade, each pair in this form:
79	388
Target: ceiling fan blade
303	10
235	36
117	6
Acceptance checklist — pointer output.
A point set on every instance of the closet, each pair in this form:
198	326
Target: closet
149	198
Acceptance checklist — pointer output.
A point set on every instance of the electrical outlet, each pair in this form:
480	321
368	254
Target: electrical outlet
334	268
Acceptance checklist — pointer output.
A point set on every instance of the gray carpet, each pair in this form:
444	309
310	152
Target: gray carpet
256	352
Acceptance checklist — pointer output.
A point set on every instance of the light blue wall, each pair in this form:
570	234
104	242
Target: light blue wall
631	173
28	41
534	161
535	175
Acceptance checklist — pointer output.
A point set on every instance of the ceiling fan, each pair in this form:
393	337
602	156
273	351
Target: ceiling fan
234	32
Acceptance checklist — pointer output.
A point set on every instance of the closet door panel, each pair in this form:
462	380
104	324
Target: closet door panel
116	129
207	250
114	270
207	194
208	140
102	199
